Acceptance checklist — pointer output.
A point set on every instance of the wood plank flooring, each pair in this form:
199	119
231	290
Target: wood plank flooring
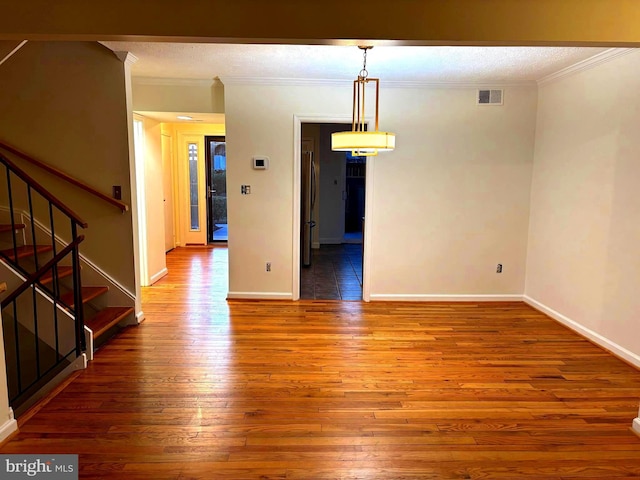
207	389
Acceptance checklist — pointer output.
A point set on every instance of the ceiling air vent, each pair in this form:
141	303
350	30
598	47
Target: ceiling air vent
490	97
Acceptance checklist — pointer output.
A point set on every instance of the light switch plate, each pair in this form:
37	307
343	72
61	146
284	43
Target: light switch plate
260	163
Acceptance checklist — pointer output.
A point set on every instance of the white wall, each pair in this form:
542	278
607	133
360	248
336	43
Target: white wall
64	103
583	263
449	204
160	95
453	200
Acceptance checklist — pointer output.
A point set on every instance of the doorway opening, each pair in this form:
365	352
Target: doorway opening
355	188
216	168
331	216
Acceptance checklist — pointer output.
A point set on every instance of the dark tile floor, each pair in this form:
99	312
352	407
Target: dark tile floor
335	273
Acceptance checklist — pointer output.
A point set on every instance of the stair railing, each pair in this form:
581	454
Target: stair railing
17	257
123	207
61	354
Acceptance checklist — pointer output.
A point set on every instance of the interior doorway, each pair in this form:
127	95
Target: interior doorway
333	186
355	188
216	189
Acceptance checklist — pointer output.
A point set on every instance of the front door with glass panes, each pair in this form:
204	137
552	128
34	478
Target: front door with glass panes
216	167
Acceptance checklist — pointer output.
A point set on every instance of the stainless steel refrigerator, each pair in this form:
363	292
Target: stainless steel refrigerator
309	192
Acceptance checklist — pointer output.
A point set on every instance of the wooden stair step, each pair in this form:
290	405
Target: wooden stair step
7	227
88	294
63	271
25	251
107	318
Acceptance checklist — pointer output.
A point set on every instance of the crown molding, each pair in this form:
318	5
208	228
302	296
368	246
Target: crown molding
591	62
456	85
302	82
175	82
284	82
127	58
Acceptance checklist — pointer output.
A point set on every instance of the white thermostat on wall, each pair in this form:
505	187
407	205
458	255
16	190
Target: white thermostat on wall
260	163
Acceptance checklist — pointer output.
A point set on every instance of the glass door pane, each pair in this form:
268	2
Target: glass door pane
217	189
193	187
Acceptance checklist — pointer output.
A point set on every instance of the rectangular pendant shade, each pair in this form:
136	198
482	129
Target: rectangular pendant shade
362	141
359	141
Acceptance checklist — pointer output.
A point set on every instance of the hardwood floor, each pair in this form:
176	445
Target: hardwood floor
325	389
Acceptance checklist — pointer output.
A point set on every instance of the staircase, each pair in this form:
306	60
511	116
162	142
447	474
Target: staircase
51	322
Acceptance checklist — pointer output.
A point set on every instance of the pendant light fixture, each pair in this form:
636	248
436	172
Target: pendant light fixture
359	141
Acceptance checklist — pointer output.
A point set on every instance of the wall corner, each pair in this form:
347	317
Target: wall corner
129	60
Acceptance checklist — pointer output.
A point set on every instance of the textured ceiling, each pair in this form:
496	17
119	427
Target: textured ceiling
324	62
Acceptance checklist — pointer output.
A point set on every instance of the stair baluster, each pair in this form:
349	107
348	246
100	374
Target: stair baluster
35	342
43	279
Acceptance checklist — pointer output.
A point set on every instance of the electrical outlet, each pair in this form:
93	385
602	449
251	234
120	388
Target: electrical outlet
499	268
268	266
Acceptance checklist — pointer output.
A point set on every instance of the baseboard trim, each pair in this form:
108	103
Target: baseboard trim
260	296
25	218
108	278
595	337
158	276
391	297
636	425
140	317
88	335
9	427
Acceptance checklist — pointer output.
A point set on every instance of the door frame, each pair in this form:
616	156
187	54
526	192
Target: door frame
138	167
187	235
298	120
168	187
208	180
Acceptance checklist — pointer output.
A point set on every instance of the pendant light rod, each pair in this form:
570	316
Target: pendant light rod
360	141
359	90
